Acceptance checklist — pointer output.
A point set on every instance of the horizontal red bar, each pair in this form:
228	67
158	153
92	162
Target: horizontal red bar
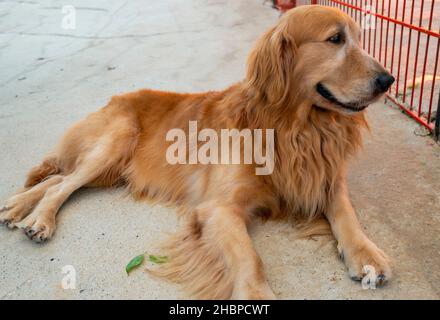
402	23
413	115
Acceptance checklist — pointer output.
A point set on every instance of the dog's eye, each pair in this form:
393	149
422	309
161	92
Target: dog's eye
336	39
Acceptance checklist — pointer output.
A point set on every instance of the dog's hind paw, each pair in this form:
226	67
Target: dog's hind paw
15	210
7	217
37	229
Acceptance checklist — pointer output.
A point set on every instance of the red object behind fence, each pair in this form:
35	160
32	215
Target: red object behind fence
284	5
404	36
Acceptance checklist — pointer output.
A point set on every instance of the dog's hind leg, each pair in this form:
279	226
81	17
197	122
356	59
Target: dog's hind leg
214	258
94	152
40	224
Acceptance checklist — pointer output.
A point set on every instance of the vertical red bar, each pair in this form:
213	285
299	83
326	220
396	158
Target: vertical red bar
405	85
422	86
362	16
353	11
369	28
400	50
417	56
433	82
381	32
375	29
386	34
394	38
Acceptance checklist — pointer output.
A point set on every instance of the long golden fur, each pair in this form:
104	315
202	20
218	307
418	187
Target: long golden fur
312	51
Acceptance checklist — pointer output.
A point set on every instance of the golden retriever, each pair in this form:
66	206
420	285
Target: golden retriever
309	80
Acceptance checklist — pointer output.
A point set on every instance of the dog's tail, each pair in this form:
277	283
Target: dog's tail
39	173
194	262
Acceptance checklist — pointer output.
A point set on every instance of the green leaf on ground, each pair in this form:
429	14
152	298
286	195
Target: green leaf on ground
158	259
135	262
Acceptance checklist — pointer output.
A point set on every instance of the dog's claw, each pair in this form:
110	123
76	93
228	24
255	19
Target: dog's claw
356	278
29	232
38	238
381	280
341	255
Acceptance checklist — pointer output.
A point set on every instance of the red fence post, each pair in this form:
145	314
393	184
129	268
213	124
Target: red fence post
314	2
437	122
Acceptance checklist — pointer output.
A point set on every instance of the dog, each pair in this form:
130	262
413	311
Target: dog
309	80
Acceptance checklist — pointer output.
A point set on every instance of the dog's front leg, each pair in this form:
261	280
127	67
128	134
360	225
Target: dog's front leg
229	227
225	229
359	253
213	256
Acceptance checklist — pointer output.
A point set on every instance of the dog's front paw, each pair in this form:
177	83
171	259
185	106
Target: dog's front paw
366	263
38	227
15	209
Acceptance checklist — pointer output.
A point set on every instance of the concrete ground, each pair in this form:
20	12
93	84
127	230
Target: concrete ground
51	77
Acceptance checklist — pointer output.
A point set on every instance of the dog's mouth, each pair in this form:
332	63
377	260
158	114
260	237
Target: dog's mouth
327	95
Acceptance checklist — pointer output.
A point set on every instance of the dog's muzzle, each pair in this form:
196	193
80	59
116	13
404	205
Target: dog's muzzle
328	95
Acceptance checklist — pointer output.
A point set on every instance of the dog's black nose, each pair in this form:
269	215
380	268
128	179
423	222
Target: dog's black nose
383	82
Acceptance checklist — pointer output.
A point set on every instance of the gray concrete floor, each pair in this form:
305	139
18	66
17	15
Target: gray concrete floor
50	77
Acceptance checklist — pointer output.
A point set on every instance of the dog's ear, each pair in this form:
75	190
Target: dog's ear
270	65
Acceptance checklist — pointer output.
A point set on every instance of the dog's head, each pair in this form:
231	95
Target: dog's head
314	53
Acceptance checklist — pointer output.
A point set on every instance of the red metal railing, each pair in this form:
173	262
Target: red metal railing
404	36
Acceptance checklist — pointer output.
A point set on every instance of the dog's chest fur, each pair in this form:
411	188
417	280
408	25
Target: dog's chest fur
311	157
